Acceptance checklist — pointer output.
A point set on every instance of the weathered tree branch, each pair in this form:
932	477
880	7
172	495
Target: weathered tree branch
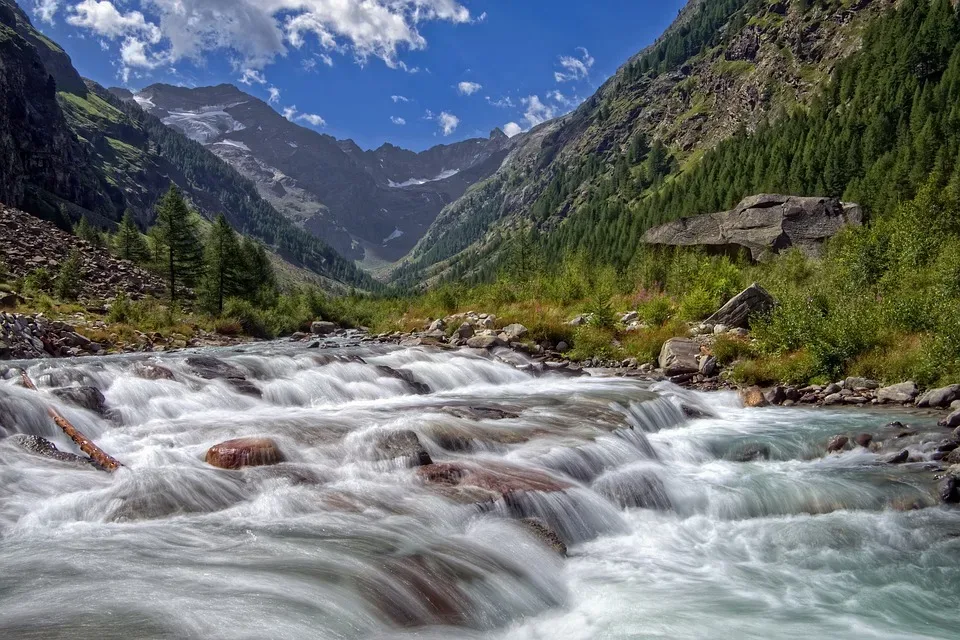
101	458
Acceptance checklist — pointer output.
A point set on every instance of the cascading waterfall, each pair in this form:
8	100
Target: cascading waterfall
683	514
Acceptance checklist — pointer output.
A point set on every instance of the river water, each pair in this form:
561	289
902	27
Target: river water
669	533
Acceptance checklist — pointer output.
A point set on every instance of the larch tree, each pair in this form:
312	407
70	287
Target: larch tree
129	243
181	250
224	265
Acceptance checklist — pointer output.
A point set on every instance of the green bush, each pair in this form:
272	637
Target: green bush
67	284
656	311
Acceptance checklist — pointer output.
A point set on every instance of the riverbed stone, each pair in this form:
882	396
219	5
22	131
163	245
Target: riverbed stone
89	398
679	356
777	395
244	452
832	388
44	448
898	393
323	328
939	398
949	490
152	371
542	532
899	458
837	444
402	444
864	439
465	332
485	342
493	480
860	384
952	421
753	397
832	399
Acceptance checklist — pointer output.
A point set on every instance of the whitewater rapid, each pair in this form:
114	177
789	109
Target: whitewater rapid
684	514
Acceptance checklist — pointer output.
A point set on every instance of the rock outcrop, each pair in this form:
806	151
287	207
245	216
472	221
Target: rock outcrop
679	356
762	225
738	311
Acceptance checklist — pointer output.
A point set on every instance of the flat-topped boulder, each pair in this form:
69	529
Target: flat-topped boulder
762	224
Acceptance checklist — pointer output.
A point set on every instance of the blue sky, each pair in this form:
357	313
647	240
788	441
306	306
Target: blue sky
415	73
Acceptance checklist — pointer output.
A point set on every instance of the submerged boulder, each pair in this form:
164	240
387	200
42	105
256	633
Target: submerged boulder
244	452
402	444
89	398
46	449
544	534
752	301
470	482
762	225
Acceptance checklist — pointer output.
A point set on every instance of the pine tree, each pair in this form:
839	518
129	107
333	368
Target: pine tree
85	231
129	243
259	277
180	247
224	265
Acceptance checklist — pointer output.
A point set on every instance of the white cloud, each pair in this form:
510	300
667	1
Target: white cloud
327	60
274	95
512	129
252	76
46	9
104	19
504	102
468	88
563	100
255	32
399	99
575	68
290	113
309	64
397	120
537	112
448	122
312	119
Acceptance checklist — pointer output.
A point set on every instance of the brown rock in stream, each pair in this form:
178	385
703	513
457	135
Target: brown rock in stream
244	452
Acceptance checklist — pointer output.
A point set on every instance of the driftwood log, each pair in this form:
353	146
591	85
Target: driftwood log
101	458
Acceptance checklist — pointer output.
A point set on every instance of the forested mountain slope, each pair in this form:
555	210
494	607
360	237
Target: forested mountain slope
74	150
625	159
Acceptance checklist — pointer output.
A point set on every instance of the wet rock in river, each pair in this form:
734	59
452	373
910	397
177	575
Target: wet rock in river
210	368
863	439
751	453
634	490
940	398
951	421
485	342
151	371
544	534
497	480
949	489
837	444
777	395
753	397
46	449
403	444
89	398
402	374
899	458
244	452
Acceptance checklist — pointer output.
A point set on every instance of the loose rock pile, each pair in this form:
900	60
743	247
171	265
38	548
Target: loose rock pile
28	337
28	243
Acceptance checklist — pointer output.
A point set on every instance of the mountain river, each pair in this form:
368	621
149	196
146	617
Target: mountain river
684	515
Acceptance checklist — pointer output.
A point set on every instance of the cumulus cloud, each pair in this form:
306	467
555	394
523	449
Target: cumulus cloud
575	67
397	120
468	88
512	129
46	9
290	113
257	31
448	122
312	119
327	60
537	111
400	99
274	95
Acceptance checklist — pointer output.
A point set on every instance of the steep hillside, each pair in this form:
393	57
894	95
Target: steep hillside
370	205
723	69
72	149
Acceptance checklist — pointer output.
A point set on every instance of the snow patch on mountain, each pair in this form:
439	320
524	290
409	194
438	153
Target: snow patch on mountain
412	182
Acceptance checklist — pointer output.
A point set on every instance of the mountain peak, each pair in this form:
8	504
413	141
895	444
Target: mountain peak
497	134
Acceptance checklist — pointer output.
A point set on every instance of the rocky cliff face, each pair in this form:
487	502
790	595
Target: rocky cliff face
723	66
42	166
762	225
370	205
68	148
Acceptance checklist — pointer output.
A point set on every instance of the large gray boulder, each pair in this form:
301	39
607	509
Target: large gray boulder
679	356
939	398
751	301
762	225
898	393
